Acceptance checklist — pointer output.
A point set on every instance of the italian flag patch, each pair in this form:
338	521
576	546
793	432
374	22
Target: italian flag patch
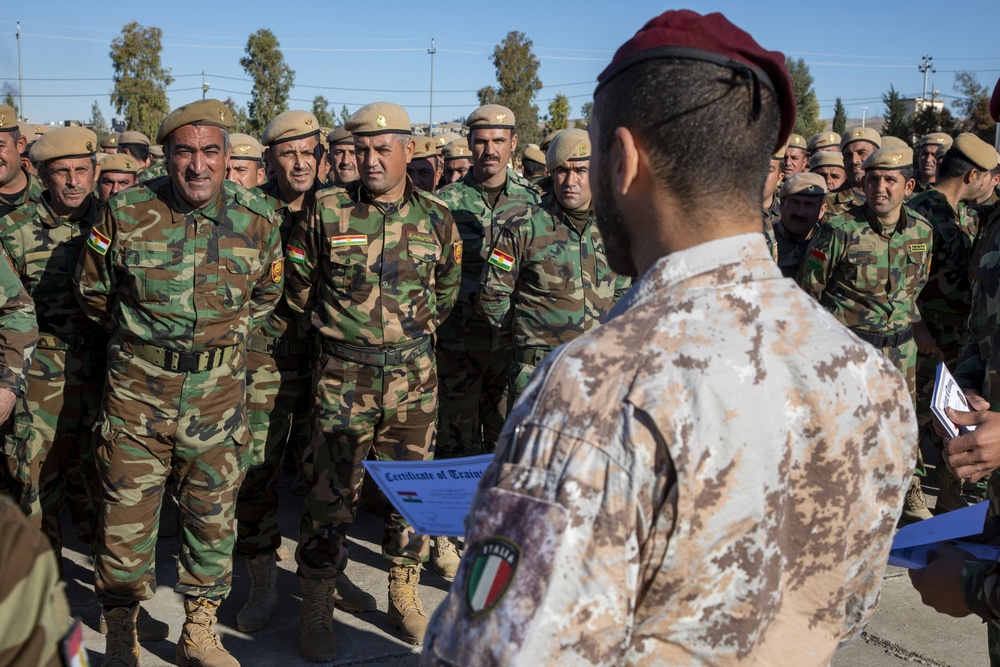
295	255
99	241
501	260
492	571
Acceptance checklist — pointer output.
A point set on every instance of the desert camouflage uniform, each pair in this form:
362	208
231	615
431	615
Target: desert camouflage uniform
473	358
54	420
791	253
180	290
377	280
642	531
558	286
31	193
842	200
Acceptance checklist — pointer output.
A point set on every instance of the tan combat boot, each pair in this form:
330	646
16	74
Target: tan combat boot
405	610
263	571
950	494
347	596
147	628
122	648
199	645
444	557
317	642
915	504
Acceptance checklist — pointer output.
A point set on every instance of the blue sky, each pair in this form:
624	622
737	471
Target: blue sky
359	52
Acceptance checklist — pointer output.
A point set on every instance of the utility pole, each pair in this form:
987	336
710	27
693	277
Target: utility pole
204	85
926	65
864	111
430	119
20	77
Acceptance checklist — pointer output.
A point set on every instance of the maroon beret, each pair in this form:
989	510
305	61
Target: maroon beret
995	102
712	38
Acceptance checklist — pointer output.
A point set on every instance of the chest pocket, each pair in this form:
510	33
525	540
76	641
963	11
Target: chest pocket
348	266
50	267
154	271
238	270
424	253
916	267
864	264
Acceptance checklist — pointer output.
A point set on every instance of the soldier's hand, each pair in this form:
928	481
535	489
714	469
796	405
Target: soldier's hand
976	402
925	341
940	582
973	455
7	401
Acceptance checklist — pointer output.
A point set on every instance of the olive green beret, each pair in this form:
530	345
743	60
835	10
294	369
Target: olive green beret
288	126
457	150
861	134
826	159
244	147
119	163
156	151
64	142
8	118
446	138
889	141
533	154
133	137
340	136
110	140
568	146
200	112
796	141
975	150
936	138
491	117
890	157
426	147
379	118
778	154
804	184
823	140
544	146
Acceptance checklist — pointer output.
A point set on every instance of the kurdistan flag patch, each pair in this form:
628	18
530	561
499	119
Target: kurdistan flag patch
99	241
501	260
817	259
492	571
295	255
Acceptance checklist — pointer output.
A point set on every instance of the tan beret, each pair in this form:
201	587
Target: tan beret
64	142
568	146
8	118
533	154
826	159
861	134
889	141
288	126
796	141
40	130
890	157
975	150
379	118
200	112
324	132
133	137
823	140
804	184
119	163
340	136
778	154
457	150
446	138
110	140
935	138
156	151
244	147
491	117
544	146
426	147
27	130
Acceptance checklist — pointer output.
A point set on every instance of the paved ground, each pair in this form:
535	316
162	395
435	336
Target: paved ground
902	632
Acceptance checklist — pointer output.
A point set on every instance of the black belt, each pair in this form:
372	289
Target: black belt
279	347
530	356
465	311
886	340
374	356
72	340
182	362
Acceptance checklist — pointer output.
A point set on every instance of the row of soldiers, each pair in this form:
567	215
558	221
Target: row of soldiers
219	303
889	240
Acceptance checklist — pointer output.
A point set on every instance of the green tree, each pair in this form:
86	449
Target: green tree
272	79
807	122
896	120
344	114
518	83
558	116
586	111
839	117
973	106
97	122
321	109
241	122
140	91
929	120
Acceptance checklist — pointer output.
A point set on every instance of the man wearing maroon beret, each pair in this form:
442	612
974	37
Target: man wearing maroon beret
712	476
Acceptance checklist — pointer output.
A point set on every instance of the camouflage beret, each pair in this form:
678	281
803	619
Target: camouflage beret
426	147
823	140
199	112
457	150
861	134
289	126
544	146
156	151
119	163
936	138
804	184
133	137
491	117
244	147
8	118
796	141
64	142
568	146
340	136
891	157
110	140
826	159
533	154
446	138
975	150
379	118
778	154
893	142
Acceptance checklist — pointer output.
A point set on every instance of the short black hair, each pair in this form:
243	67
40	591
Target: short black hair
530	168
955	165
139	151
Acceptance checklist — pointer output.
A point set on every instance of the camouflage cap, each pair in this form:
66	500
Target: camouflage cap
289	126
893	142
823	140
936	138
446	138
457	150
491	117
804	185
379	118
110	140
568	146
133	137
826	159
796	141
975	150
861	134
64	142
544	146
200	112
244	147
8	118
426	147
340	136
891	157
119	163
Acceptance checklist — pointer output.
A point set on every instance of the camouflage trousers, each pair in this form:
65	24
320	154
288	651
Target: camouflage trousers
358	407
153	422
52	439
276	389
473	363
904	358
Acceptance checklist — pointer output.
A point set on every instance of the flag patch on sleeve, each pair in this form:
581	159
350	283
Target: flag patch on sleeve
501	260
99	241
493	569
295	255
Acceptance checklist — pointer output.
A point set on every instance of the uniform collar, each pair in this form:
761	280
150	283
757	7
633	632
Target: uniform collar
49	218
212	210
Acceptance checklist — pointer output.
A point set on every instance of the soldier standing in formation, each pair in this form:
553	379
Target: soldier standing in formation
855	147
246	161
117	173
457	160
17	186
343	160
802	208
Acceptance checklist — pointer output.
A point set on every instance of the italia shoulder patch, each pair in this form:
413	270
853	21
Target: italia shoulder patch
501	260
99	242
295	255
491	574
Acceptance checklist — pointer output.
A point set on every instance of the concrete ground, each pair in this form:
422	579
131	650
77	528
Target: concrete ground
903	631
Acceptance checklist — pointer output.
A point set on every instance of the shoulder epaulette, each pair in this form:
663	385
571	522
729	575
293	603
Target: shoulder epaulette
333	196
136	194
247	199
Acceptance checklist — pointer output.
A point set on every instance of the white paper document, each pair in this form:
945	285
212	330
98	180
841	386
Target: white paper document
911	544
947	394
434	496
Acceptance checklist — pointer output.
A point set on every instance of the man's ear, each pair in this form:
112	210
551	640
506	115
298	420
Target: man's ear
626	160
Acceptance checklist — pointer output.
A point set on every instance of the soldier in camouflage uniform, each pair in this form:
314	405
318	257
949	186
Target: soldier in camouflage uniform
802	208
117	173
457	160
796	156
855	147
829	165
867	267
16	185
376	270
930	150
622	522
180	270
533	165
246	161
771	204
343	159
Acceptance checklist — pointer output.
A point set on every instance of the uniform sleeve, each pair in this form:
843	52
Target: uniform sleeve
95	281
448	272
622	285
822	256
18	330
500	275
970	371
303	258
267	291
